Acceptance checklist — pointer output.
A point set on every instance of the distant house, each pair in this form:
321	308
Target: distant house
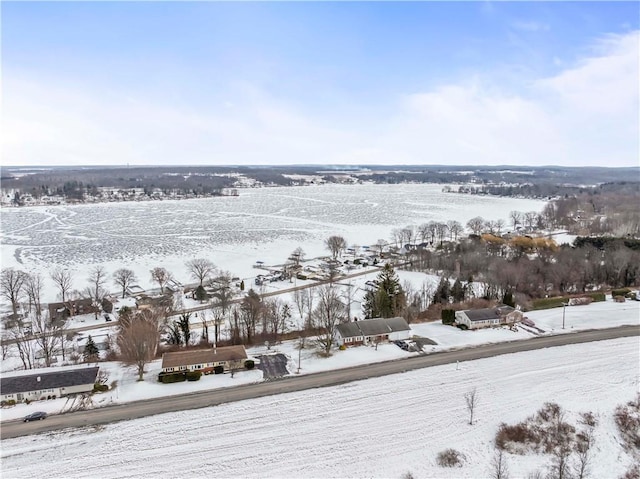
61	311
371	331
47	385
488	317
203	360
162	301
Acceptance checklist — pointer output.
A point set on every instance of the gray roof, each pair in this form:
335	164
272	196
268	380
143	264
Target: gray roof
349	330
488	313
373	327
54	379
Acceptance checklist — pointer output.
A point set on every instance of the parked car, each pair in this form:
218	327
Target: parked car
35	416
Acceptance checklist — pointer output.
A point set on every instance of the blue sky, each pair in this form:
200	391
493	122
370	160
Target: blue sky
326	82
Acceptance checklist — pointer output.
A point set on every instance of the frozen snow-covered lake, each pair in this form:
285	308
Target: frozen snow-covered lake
261	224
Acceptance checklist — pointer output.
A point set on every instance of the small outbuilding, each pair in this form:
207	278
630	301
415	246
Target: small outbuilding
372	331
47	385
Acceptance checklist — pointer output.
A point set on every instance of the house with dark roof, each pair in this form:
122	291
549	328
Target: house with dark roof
47	385
203	360
74	307
372	331
488	317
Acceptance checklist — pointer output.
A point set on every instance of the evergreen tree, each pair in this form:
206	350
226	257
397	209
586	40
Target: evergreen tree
200	293
185	327
442	292
387	300
90	351
508	299
458	291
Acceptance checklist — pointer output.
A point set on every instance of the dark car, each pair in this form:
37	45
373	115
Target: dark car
35	416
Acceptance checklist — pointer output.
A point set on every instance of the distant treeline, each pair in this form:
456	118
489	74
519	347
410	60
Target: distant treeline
543	182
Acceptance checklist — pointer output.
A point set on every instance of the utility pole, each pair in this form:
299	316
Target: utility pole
564	306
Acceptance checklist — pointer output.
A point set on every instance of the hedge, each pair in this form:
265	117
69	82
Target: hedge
249	364
548	303
193	375
448	316
620	292
171	377
595	297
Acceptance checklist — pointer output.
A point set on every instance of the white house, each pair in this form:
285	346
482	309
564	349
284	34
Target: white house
371	331
488	317
46	385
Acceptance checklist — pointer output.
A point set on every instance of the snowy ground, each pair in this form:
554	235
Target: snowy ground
594	316
379	427
264	224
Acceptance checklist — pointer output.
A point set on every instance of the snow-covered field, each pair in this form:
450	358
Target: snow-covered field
264	224
379	427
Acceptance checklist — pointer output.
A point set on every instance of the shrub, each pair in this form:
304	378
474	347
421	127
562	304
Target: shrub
100	388
27	401
249	364
8	403
218	369
171	377
627	418
342	347
620	292
193	375
450	458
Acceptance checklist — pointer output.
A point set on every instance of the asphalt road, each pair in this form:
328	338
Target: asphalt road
138	409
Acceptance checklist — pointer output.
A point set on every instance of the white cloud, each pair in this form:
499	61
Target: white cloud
585	115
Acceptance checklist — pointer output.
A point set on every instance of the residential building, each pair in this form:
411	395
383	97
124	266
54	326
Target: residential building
488	317
204	360
372	331
47	385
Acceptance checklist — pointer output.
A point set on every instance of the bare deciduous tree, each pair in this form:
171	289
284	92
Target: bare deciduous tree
516	218
96	291
161	276
455	229
297	256
335	245
139	338
124	278
499	467
200	269
21	336
471	399
475	225
62	279
328	314
47	336
12	282
33	287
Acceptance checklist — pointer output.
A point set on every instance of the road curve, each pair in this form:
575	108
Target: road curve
200	399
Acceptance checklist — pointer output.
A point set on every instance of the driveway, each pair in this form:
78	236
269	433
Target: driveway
273	365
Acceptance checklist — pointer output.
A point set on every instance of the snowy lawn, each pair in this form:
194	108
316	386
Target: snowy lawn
380	427
593	316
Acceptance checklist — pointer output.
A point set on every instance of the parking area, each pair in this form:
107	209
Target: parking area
273	365
414	344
